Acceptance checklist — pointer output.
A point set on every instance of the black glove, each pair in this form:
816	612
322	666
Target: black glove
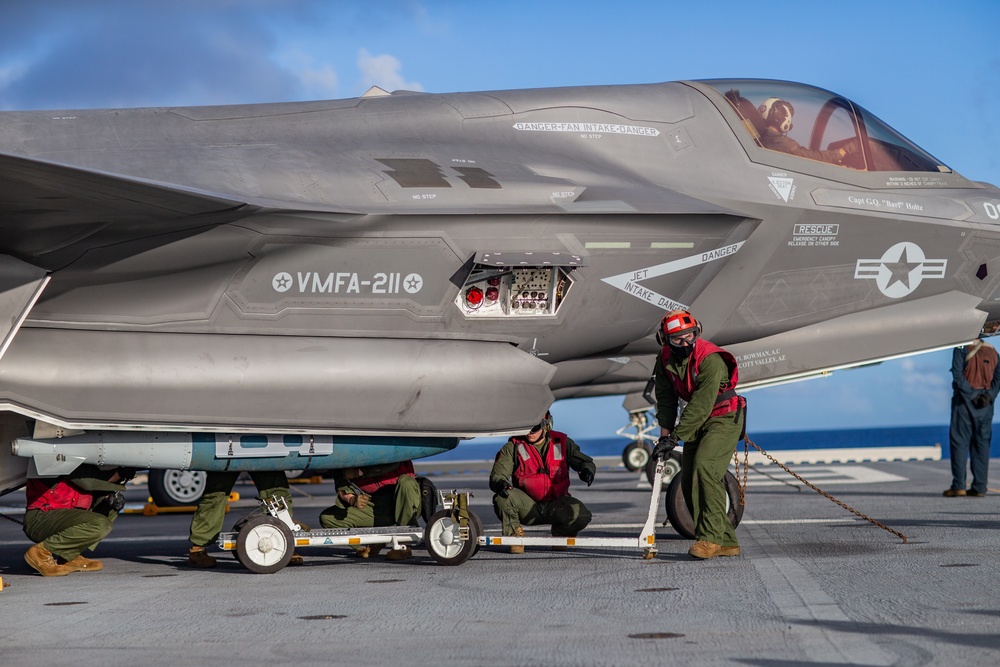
501	487
981	401
108	503
664	446
587	476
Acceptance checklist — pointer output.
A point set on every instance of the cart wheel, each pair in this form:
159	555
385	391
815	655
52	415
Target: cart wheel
671	467
680	516
237	527
264	544
648	554
635	456
442	541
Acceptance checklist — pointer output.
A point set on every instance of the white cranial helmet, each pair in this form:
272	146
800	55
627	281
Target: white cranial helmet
777	113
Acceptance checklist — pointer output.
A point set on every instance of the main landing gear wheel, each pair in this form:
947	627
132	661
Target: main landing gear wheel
679	515
671	467
264	544
442	540
172	488
636	456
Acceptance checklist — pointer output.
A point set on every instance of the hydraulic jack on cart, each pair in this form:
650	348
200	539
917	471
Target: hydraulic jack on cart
645	541
265	541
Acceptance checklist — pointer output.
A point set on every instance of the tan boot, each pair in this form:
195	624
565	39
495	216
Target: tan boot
198	557
42	560
730	551
517	548
399	554
702	549
81	564
368	551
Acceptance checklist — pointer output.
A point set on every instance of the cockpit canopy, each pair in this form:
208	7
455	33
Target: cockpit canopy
816	124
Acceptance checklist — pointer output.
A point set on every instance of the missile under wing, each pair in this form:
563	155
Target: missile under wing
360	281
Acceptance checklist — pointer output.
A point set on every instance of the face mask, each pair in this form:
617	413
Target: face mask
682	351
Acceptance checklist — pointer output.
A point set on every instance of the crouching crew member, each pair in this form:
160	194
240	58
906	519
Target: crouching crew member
387	495
67	515
539	463
692	369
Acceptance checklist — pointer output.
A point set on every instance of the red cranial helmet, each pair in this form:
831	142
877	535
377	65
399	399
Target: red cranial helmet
678	321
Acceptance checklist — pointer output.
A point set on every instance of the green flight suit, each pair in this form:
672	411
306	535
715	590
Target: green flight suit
206	524
567	515
709	444
67	533
396	504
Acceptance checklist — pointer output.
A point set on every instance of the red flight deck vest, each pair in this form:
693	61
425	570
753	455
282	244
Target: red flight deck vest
372	484
542	480
727	400
62	496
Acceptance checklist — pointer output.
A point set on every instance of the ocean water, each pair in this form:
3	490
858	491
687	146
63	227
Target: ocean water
900	436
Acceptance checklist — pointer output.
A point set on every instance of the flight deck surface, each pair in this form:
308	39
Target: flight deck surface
815	585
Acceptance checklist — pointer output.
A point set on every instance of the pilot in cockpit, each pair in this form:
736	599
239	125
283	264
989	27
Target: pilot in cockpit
777	114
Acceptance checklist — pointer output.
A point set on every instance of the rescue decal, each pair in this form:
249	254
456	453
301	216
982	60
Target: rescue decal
588	128
900	269
811	235
629	281
309	282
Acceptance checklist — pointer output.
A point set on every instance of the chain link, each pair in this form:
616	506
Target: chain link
747	443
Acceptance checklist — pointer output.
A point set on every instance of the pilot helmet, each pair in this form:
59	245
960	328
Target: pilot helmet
777	113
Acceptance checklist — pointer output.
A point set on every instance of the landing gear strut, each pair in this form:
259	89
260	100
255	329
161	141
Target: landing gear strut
636	455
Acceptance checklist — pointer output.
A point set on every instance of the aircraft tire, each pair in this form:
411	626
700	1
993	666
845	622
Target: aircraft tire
671	467
636	456
679	515
174	488
264	544
442	542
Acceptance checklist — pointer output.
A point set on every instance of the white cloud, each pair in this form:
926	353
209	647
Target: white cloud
383	71
11	73
317	81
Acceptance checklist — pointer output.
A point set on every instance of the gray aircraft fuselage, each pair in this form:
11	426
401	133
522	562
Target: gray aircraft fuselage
425	267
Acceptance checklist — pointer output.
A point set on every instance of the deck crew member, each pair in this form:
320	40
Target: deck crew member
975	374
692	369
539	464
69	514
386	495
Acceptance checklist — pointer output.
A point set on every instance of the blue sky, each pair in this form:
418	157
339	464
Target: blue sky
930	69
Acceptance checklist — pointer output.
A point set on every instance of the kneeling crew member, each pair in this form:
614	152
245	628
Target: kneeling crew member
387	495
69	514
694	370
539	465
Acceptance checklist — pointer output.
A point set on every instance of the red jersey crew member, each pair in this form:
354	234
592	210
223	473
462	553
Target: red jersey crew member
704	375
539	464
387	495
67	515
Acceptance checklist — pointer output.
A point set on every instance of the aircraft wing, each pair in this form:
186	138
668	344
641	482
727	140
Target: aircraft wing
50	213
